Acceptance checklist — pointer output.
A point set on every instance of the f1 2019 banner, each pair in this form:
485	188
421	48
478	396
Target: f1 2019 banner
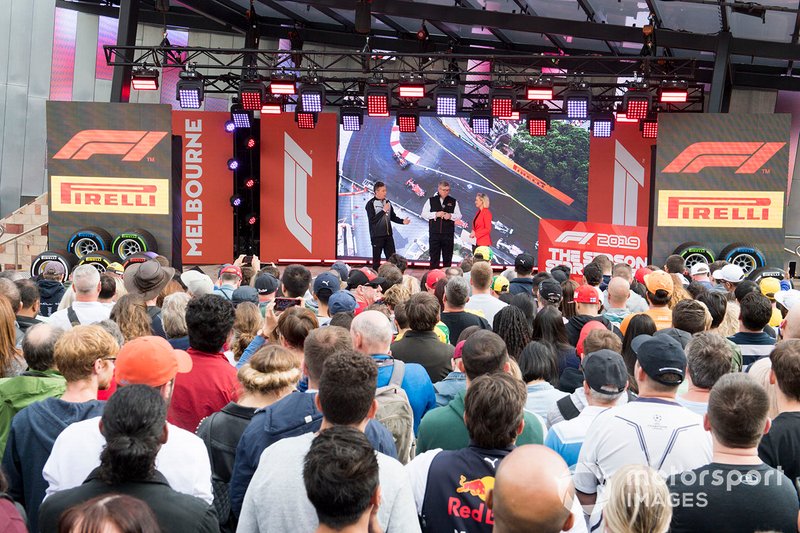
576	244
298	167
109	166
720	185
207	230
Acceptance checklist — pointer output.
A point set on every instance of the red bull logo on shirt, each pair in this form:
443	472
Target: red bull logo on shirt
475	487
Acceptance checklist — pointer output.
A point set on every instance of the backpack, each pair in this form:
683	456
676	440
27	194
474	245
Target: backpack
394	411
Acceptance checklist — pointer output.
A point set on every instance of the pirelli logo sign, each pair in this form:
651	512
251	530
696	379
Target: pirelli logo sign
109	195
721	209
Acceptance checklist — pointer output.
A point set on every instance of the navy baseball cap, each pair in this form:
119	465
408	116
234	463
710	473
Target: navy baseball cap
342	269
267	284
327	280
245	293
605	371
341	302
660	355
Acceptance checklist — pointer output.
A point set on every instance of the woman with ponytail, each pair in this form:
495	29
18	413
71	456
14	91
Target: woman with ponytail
134	426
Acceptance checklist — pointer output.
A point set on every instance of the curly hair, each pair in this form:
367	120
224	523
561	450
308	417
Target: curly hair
130	314
512	326
246	323
396	294
209	320
272	368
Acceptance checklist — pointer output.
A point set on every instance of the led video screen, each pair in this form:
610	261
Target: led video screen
526	179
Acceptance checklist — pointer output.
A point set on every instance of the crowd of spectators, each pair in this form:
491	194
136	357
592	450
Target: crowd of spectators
266	399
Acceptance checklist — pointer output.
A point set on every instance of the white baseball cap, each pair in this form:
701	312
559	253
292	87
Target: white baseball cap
788	299
699	268
729	273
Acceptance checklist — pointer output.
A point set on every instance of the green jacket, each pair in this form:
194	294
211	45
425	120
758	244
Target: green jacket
444	428
21	391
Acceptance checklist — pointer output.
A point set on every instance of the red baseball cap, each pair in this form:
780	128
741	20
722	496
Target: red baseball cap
231	269
585	330
150	361
586	294
641	273
433	277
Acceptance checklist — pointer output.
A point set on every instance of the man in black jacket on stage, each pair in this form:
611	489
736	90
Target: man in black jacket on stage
441	211
381	215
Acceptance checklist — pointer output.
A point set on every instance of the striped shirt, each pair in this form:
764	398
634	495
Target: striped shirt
754	346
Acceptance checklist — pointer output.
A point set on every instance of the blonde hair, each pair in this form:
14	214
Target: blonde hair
760	371
173	314
66	300
484	199
272	368
130	314
638	501
730	324
396	294
246	323
78	348
678	293
411	284
9	353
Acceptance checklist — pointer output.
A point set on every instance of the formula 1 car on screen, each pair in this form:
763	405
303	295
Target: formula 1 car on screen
400	160
512	249
415	188
502	228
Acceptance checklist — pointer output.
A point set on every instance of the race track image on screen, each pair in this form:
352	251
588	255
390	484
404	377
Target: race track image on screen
526	178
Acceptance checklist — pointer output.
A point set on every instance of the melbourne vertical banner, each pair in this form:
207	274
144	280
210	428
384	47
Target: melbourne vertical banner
298	188
207	185
721	184
109	166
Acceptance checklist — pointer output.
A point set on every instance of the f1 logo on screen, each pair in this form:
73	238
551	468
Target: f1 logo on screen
296	171
134	145
581	237
749	157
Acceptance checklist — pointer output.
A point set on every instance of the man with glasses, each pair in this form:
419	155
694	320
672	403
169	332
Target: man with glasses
85	357
441	211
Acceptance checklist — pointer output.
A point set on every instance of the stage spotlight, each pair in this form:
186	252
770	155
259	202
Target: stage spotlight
411	87
602	125
251	94
576	102
252	218
538	123
351	118
250	183
649	128
251	143
312	97
233	164
241	117
636	102
447	100
408	120
236	200
144	79
273	105
673	92
230	126
502	101
378	98
189	91
540	89
481	122
282	84
305	120
423	34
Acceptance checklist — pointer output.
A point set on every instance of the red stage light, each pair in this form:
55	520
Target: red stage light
537	127
412	91
407	123
252	219
649	129
540	93
271	109
674	96
377	105
306	121
514	115
282	87
250	183
251	100
622	117
251	143
144	84
502	106
637	108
